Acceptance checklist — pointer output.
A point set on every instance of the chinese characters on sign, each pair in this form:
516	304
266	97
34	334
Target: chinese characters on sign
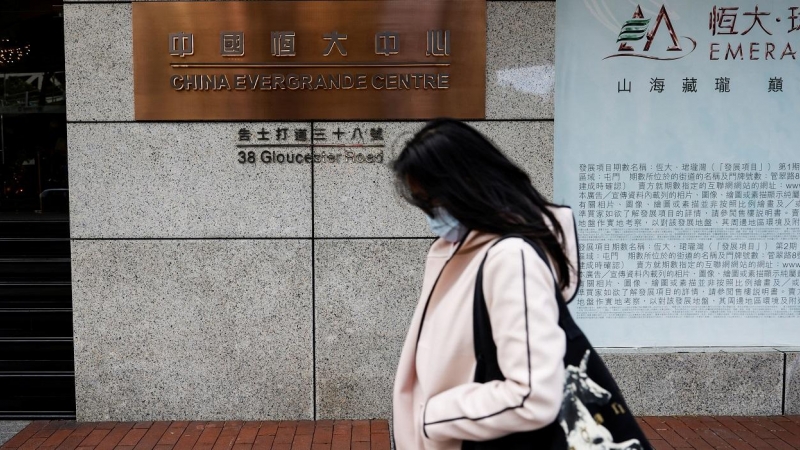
723	85
689	85
274	64
181	44
282	43
231	43
723	23
657	85
728	42
682	169
387	43
687	271
321	145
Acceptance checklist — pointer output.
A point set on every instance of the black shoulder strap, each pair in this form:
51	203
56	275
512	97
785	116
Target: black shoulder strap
485	348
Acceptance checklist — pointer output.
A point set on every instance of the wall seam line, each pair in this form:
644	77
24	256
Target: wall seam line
192	239
313	284
255	238
99	122
785	380
98	2
128	2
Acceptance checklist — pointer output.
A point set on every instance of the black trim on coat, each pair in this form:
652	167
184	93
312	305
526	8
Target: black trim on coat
430	294
527	342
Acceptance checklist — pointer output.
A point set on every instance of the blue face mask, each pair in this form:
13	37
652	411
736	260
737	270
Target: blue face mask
446	226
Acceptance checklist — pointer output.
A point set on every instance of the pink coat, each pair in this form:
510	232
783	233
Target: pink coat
436	404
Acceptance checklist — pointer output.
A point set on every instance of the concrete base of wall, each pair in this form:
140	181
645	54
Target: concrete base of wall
700	381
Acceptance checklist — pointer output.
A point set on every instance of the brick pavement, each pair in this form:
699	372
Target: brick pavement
724	433
233	435
665	433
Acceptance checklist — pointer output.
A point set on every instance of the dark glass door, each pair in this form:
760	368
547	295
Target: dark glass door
36	347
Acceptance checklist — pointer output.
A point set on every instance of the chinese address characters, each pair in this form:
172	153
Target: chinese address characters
299	145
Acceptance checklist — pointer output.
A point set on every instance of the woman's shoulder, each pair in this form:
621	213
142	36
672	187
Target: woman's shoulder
509	243
511	247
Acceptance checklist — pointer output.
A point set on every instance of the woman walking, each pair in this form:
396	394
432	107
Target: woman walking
445	397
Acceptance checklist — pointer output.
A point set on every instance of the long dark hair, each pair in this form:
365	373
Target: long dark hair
460	170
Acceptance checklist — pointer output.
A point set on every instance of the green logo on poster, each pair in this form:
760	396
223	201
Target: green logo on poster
639	28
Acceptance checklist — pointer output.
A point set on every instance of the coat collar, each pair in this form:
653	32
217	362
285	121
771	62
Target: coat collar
472	242
475	241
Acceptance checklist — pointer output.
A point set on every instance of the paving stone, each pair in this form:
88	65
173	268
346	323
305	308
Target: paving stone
698	433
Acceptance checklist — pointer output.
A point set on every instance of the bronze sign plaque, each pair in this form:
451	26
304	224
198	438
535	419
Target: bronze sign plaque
306	60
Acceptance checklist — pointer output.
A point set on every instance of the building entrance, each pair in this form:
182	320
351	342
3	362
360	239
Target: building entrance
36	344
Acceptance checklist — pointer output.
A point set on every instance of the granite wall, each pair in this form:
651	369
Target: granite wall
209	289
